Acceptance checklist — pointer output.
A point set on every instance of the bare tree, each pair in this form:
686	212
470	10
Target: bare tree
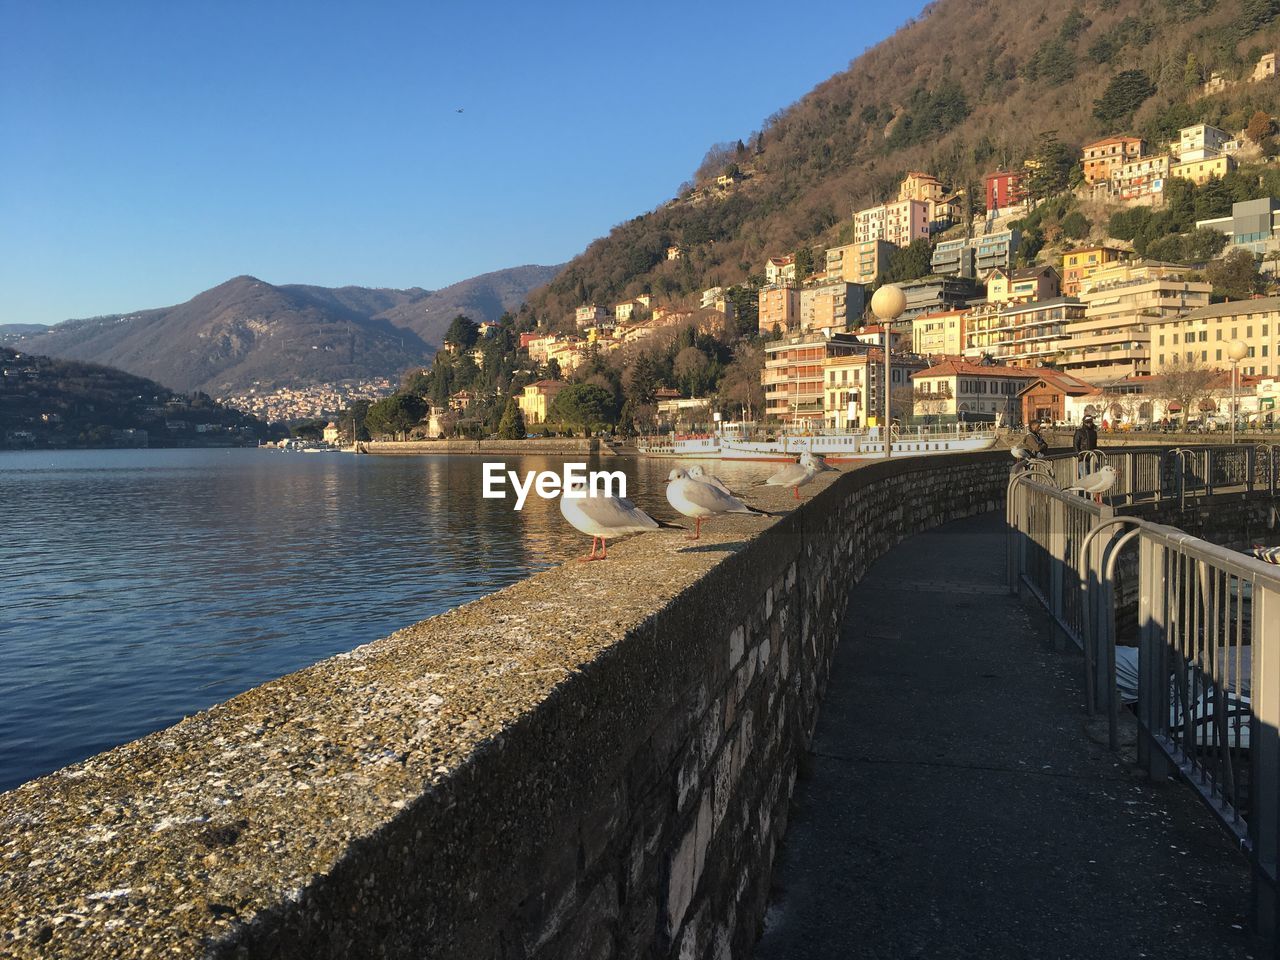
1186	382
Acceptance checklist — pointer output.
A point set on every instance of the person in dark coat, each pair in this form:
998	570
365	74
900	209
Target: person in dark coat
1086	437
1033	443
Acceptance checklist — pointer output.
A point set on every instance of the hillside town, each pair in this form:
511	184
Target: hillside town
304	402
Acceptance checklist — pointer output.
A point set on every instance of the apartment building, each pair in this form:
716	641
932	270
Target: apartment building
536	399
899	222
831	305
1200	172
942	209
934	294
1004	191
1082	263
1203	335
1253	225
1103	157
858	262
852	394
779	307
1122	301
939	334
1027	283
1142	178
1020	334
591	316
977	256
1199	142
780	269
1055	397
970	391
793	373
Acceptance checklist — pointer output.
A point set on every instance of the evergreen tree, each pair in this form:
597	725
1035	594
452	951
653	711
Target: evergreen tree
511	426
1127	91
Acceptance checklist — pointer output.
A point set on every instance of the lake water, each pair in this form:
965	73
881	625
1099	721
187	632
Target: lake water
139	586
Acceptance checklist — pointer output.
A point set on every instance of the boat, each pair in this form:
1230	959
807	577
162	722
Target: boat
741	441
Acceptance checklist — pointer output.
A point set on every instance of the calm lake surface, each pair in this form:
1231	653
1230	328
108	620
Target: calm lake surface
139	586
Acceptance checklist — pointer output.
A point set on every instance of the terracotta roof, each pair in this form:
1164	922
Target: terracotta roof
963	367
1118	138
1064	382
548	383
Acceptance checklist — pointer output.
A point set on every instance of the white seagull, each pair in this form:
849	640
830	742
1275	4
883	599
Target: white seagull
700	500
796	475
1096	483
605	517
1020	453
697	473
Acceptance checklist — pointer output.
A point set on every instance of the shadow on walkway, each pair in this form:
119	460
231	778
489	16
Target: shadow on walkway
954	806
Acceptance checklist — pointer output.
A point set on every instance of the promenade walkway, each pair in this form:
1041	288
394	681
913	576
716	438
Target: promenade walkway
955	804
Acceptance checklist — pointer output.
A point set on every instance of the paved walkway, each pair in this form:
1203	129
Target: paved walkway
955	805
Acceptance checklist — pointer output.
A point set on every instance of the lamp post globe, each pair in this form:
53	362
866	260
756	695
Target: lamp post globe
1237	350
887	304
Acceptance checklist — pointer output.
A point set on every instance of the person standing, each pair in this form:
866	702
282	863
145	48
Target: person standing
1086	436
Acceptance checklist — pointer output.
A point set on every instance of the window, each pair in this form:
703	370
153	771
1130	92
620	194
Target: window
1217	355
1175	339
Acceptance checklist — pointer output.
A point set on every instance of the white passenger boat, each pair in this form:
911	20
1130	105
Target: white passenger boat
737	441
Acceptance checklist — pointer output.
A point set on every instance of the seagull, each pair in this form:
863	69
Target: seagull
604	517
796	475
697	473
459	109
1020	453
698	499
1096	483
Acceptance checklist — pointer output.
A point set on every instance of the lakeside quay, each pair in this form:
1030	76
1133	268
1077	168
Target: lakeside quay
548	446
595	760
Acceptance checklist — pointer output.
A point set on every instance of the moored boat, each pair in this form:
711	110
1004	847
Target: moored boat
737	442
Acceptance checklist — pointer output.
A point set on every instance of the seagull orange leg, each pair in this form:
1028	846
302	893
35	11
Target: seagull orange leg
697	529
592	554
796	492
604	549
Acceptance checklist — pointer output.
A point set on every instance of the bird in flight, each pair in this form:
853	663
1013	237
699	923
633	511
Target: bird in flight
460	109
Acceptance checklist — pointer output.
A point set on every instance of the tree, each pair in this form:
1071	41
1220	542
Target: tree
1075	225
462	332
909	263
511	426
804	263
1235	276
584	406
1051	165
1126	92
1260	127
1185	382
741	384
396	414
690	366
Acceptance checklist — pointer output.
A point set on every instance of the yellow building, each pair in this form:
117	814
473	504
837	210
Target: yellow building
851	388
1202	337
939	334
1080	264
537	399
1024	284
779	307
858	262
1122	302
1199	171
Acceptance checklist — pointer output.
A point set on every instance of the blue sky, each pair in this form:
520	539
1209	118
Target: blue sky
152	150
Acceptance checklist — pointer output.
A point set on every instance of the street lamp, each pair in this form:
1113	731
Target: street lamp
887	304
1237	350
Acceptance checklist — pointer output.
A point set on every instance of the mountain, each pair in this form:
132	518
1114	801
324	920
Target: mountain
62	403
485	297
238	333
967	88
13	332
246	331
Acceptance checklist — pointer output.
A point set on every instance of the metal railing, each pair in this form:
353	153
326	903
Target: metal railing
1205	675
1164	473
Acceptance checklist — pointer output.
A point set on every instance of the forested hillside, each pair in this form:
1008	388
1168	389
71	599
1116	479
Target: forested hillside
969	87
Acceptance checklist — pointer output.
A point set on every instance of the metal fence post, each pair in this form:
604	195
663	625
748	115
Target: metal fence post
1153	675
1264	742
1058	566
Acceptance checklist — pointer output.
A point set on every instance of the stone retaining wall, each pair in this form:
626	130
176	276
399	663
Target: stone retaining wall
551	446
593	763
